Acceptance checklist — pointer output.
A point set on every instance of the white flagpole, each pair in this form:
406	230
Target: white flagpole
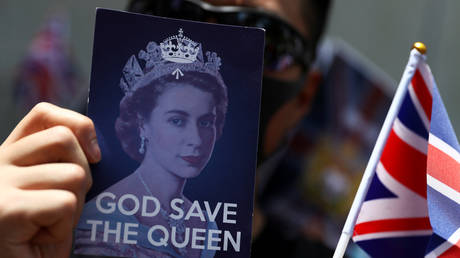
415	55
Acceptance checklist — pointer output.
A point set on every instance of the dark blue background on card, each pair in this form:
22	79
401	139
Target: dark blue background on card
229	175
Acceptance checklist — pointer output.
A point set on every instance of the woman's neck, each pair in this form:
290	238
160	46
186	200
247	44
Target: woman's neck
160	183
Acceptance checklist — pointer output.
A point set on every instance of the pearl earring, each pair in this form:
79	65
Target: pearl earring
142	147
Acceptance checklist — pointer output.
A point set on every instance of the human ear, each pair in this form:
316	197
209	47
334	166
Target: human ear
306	96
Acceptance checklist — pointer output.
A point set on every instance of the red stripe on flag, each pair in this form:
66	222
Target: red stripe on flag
444	168
406	164
452	252
422	92
378	226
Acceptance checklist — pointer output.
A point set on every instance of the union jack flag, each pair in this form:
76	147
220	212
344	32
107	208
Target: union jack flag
412	207
48	71
443	178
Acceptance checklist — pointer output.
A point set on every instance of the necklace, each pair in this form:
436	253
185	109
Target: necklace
179	224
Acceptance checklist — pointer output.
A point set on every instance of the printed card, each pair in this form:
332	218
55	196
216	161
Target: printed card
176	108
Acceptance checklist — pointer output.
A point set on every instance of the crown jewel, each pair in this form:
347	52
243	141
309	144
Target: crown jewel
176	55
179	49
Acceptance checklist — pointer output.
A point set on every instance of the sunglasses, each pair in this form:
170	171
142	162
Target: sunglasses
284	45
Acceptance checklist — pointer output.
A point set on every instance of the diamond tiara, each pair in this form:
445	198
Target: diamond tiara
179	49
176	55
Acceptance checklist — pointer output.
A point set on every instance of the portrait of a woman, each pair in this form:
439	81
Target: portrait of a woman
172	112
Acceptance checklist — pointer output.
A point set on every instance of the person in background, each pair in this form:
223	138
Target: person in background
293	29
39	209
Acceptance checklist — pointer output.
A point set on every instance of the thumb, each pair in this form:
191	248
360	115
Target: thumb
60	249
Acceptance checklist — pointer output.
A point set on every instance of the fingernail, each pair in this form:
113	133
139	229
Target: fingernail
95	150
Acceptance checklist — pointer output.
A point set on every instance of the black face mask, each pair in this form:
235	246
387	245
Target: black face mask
275	93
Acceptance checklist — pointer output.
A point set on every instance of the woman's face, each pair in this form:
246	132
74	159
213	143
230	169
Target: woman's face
181	131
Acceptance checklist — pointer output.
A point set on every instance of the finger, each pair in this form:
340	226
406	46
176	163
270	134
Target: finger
56	144
64	248
45	115
44	216
54	212
58	250
63	176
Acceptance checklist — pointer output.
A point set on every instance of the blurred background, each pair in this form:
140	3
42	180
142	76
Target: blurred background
381	31
48	43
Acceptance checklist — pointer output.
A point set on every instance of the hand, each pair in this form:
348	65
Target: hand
44	176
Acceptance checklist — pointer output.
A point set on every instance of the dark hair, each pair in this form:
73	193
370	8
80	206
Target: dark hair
138	106
315	14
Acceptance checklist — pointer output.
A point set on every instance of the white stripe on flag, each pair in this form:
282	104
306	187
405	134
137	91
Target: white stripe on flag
407	204
443	188
410	137
418	107
425	71
444	147
453	239
392	234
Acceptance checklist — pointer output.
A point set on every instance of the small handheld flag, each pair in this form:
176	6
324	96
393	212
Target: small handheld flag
392	214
